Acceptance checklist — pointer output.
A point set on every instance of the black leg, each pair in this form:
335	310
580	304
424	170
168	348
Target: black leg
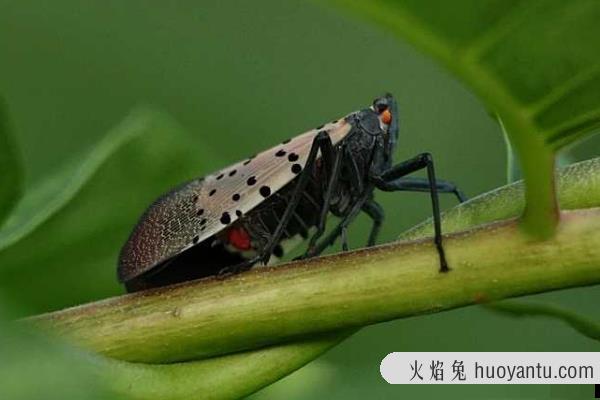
339	230
344	237
375	212
385	181
334	174
356	175
357	182
236	269
412	184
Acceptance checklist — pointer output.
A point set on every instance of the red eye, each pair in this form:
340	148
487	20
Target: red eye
386	117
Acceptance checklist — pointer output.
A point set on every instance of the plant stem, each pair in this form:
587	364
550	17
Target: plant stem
268	306
219	378
232	376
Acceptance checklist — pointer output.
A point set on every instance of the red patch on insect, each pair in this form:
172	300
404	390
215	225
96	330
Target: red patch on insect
239	238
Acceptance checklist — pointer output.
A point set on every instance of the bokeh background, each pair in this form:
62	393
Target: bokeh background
240	76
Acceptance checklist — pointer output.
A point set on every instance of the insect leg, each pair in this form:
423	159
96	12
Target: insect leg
236	269
338	230
331	185
358	183
385	181
344	236
375	212
321	142
412	184
356	175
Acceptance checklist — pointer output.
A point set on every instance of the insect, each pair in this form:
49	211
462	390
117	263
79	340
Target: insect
243	215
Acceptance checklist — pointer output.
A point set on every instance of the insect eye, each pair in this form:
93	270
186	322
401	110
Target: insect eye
380	105
386	117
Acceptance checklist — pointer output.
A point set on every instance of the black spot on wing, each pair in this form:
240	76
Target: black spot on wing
232	172
195	239
225	218
265	191
296	168
203	222
220	177
200	212
293	157
280	153
238	213
251	181
235	197
212	192
286	141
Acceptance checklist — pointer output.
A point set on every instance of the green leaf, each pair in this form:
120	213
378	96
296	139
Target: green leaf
535	64
11	172
57	189
85	211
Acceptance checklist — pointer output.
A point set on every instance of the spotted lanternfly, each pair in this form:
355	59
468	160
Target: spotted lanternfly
243	215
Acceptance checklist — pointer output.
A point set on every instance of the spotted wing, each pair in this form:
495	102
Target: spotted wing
197	210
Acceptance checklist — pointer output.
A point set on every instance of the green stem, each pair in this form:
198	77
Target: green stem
272	305
231	376
401	279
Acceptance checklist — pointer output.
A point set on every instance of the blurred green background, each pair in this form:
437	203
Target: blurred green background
240	76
